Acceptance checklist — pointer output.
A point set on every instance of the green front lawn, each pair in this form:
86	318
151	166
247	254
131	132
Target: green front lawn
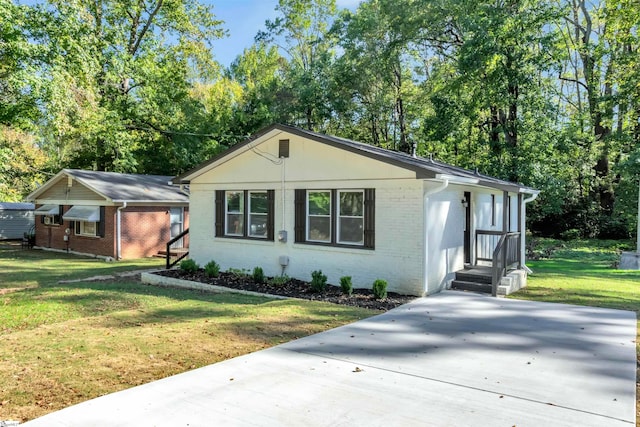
61	344
583	272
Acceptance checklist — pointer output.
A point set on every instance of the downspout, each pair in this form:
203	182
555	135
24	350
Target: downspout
119	230
425	261
523	231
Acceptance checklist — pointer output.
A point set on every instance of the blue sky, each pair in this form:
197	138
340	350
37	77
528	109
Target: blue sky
243	19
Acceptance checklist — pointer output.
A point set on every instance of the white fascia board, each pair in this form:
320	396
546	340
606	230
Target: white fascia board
457	179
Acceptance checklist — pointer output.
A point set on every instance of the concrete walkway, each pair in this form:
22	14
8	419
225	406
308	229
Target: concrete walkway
453	359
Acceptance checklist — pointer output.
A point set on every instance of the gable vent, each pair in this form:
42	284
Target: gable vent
283	148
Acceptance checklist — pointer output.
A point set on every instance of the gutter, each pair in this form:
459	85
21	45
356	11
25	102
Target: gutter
425	260
119	231
523	231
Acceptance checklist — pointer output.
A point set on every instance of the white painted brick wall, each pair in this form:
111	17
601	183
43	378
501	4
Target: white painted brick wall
396	259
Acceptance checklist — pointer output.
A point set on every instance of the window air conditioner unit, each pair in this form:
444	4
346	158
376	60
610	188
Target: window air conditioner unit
47	220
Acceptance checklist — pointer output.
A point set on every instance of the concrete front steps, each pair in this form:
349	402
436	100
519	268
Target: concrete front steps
478	279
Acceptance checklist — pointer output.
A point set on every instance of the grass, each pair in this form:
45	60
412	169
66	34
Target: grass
583	272
61	344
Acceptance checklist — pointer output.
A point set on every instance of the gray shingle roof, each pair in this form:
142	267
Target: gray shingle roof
8	206
130	187
424	168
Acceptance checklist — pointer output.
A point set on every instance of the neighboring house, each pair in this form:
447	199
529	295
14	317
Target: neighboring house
294	201
107	214
16	219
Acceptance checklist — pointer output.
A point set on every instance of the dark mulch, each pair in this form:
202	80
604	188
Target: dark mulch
295	288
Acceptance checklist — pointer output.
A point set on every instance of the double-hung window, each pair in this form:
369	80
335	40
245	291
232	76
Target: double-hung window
344	217
319	216
245	214
351	217
86	228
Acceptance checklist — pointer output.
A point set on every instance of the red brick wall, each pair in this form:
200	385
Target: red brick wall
145	231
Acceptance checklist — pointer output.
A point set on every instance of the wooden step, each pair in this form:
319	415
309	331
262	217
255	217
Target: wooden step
463	285
477	275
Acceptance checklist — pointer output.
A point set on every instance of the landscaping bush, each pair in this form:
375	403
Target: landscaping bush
346	285
279	280
238	273
380	289
318	281
212	269
189	266
258	275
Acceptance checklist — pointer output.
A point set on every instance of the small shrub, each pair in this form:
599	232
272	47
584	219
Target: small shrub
238	273
212	269
258	275
380	289
189	266
346	285
318	281
279	280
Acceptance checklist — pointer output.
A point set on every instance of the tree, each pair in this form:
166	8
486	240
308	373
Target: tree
300	32
130	64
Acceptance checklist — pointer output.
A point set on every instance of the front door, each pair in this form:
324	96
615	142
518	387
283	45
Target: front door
177	225
467	227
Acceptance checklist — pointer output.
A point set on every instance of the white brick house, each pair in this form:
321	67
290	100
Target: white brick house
293	201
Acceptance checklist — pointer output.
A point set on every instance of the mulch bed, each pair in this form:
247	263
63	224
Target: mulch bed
296	289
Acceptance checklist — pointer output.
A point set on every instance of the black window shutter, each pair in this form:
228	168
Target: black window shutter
101	224
77	227
219	213
42	219
300	215
72	225
270	214
369	218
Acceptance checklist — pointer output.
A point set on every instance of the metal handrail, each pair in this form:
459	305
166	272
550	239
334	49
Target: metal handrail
170	264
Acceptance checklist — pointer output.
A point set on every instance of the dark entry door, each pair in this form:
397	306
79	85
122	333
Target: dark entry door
467	227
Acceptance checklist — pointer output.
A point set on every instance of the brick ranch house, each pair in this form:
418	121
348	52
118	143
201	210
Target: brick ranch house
293	201
107	214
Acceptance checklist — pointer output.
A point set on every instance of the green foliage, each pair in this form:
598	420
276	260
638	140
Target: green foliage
238	273
279	280
318	281
380	289
258	275
346	285
212	269
189	266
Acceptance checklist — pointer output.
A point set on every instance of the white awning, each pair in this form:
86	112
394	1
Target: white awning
83	213
47	210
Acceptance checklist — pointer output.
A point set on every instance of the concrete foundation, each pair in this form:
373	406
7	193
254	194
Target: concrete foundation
512	282
629	261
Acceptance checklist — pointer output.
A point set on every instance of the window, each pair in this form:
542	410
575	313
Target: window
258	213
319	216
336	217
234	213
245	214
86	228
50	214
351	217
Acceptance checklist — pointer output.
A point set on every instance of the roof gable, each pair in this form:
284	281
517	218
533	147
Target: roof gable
111	187
423	168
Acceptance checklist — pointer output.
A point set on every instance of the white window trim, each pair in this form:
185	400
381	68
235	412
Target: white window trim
84	233
338	222
308	219
227	212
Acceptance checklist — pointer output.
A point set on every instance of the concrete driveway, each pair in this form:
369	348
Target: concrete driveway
453	359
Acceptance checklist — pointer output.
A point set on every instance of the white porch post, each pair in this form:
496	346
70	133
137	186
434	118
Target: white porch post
523	231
